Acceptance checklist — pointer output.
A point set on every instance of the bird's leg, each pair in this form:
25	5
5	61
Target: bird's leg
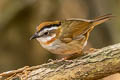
73	56
79	54
91	50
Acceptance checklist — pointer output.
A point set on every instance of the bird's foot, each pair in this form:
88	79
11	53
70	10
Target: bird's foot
91	50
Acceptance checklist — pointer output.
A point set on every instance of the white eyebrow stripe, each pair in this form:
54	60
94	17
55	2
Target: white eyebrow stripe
48	29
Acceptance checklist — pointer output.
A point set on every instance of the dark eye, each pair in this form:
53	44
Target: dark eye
46	33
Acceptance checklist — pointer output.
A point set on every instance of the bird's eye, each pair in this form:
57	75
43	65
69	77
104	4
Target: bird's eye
46	33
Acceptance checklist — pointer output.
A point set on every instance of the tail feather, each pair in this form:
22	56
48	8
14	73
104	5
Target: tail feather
101	19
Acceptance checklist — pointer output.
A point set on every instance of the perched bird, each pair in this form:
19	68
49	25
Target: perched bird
66	37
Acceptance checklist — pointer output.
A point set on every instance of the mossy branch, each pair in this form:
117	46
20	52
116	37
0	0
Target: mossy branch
93	66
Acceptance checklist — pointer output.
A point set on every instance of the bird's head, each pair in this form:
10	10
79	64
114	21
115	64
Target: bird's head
47	32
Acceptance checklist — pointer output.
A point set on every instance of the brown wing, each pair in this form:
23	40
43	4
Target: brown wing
74	28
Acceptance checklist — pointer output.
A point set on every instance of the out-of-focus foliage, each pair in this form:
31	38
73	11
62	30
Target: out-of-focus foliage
19	18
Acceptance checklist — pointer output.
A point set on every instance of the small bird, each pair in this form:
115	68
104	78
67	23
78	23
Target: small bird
66	37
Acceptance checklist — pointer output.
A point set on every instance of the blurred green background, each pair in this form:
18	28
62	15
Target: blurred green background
19	18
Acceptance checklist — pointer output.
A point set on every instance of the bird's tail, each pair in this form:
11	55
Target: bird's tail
101	19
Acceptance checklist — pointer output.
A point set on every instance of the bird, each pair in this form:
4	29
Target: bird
67	37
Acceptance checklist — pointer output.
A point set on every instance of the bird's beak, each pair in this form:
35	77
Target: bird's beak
34	36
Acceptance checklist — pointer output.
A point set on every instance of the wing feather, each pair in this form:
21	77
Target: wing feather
74	28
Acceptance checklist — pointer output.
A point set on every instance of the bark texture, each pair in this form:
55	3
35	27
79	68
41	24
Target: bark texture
93	66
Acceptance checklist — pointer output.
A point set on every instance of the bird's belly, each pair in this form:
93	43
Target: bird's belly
59	47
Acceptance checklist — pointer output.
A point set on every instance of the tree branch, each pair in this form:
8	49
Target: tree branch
93	66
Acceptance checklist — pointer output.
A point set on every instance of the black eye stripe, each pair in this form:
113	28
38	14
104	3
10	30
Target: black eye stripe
51	25
46	33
